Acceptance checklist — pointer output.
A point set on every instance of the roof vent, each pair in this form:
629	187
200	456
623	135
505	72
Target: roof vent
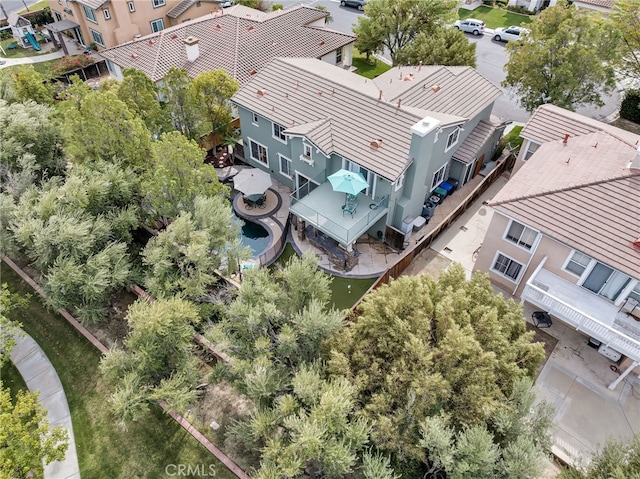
375	144
251	28
636	244
218	27
321	42
262	92
435	88
134	56
152	42
319	93
252	72
379	94
399	102
566	138
409	77
174	37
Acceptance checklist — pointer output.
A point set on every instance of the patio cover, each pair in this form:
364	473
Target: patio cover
61	26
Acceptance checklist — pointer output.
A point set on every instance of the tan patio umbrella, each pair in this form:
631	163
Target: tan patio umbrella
252	181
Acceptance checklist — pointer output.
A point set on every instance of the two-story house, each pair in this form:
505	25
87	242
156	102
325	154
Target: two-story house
107	23
405	132
239	39
565	234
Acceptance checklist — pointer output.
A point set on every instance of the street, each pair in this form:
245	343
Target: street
11	6
490	59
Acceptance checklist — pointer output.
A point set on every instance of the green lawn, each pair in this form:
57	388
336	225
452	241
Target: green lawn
36	6
17	52
494	17
368	68
147	448
342	296
11	379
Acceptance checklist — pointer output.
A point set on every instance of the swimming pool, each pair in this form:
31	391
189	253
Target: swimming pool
255	236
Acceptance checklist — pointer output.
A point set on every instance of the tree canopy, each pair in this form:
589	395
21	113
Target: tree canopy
211	91
176	175
157	361
618	459
420	348
140	95
8	328
568	59
396	25
180	104
26	439
626	17
442	46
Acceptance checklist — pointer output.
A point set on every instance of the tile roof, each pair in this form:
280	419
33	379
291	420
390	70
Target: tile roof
597	3
338	110
92	3
581	193
550	122
233	41
180	8
458	91
469	148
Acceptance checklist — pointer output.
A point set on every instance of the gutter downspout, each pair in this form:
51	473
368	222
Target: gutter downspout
527	266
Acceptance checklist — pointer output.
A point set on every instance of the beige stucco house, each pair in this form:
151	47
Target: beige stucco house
107	23
565	234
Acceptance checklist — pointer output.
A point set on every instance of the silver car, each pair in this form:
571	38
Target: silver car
509	34
470	25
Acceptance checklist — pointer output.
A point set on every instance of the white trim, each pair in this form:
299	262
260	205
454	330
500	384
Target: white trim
158	3
254	118
399	183
106	13
517	243
273	131
526	150
493	262
93	37
266	152
86	9
443	168
570	258
455	132
280	158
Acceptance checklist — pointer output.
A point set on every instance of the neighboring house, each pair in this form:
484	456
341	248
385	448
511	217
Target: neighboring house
107	23
406	132
239	39
565	234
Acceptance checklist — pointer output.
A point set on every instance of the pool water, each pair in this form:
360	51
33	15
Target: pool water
254	236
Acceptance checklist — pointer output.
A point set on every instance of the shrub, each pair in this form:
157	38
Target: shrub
67	64
630	106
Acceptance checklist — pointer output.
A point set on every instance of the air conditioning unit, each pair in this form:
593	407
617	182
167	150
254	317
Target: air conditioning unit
609	353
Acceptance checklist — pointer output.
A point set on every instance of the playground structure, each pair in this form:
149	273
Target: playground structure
23	32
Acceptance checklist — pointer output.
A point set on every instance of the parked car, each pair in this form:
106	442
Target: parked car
226	3
509	34
470	25
359	4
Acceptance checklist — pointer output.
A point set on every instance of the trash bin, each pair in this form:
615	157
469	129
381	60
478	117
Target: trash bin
447	187
453	182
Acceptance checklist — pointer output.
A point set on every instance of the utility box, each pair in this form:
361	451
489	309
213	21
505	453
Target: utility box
609	353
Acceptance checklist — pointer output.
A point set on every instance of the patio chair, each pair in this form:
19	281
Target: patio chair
351	205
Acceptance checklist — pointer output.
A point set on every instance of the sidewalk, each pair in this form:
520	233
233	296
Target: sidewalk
10	62
39	375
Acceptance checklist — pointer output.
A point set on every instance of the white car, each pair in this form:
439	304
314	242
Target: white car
470	25
509	34
226	3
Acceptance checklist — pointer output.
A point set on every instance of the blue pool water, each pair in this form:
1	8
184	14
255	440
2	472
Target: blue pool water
254	236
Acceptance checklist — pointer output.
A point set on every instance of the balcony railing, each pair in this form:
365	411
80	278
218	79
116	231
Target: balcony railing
538	294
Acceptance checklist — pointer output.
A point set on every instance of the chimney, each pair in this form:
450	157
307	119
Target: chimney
566	138
193	49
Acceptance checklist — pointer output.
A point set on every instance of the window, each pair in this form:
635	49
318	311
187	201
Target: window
452	139
306	150
606	281
58	16
338	56
258	152
531	149
635	293
106	13
255	119
521	235
369	176
285	166
438	177
97	37
399	182
157	25
90	13
111	67
577	263
507	267
132	6
158	3
277	132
